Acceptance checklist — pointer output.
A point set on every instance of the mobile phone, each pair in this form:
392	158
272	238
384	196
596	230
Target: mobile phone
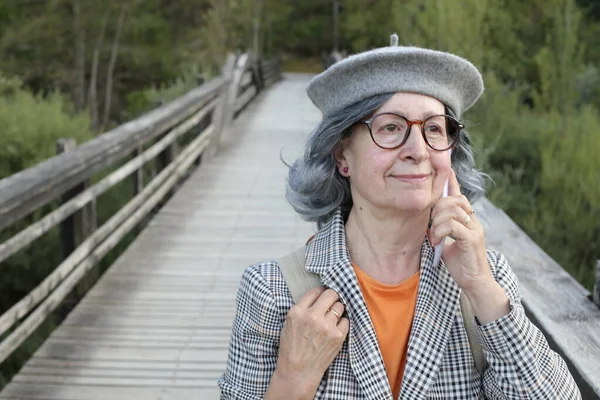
437	255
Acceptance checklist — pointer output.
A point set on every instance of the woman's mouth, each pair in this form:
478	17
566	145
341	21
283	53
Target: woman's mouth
414	178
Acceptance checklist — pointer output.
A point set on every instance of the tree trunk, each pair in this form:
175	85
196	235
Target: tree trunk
93	89
79	30
111	66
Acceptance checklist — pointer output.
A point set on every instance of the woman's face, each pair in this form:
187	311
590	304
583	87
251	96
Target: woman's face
407	179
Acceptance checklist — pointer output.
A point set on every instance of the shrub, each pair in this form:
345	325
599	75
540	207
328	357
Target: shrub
545	171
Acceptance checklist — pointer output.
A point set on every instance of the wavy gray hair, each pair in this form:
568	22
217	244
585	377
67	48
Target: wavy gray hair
315	189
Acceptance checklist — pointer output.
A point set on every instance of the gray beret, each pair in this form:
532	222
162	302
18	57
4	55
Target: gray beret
449	78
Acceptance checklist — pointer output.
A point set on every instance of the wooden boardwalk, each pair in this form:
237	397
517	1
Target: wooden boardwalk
157	324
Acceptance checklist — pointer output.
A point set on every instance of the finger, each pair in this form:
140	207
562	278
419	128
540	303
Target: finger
451	228
335	312
344	326
325	301
444	204
454	212
310	297
453	185
449	217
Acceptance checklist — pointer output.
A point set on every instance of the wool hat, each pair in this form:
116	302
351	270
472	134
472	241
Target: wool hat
447	77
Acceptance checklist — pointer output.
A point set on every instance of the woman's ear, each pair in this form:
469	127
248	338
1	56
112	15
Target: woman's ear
340	159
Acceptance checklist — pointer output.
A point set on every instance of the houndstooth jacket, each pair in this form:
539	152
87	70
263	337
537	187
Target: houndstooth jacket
439	361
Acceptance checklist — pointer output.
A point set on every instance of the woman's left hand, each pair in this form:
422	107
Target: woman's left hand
466	258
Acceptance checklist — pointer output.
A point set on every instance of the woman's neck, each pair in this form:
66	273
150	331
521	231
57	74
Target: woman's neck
388	248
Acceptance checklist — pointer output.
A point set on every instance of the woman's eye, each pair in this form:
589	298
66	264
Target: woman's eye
433	129
390	128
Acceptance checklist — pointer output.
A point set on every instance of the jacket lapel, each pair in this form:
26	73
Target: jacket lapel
327	255
437	302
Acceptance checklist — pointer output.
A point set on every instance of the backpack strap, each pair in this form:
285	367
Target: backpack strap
468	317
299	281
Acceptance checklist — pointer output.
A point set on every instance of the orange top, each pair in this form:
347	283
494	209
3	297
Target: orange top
391	308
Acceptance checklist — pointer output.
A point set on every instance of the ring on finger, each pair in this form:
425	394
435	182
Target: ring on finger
334	313
468	219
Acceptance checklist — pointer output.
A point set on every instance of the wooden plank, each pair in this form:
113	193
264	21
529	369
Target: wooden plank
555	301
35	391
246	79
245	98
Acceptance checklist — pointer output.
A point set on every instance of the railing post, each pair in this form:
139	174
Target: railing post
138	176
238	72
260	82
67	227
596	295
220	112
169	154
77	227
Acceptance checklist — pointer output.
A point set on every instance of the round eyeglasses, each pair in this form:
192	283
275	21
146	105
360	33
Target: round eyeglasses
390	131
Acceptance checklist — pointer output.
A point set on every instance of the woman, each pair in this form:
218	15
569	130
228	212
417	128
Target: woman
387	323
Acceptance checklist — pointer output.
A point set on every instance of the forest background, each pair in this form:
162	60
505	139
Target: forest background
76	68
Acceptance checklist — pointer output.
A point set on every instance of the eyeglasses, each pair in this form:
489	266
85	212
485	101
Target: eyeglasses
390	131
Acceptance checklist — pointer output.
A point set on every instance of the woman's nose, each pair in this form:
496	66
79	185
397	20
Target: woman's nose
415	146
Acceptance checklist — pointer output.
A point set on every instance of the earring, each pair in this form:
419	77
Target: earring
345	170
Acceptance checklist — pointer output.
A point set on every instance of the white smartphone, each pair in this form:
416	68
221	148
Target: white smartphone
437	255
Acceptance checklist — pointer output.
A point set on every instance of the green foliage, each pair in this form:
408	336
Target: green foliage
141	101
545	174
30	126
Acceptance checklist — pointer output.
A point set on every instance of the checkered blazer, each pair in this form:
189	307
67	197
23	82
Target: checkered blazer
439	361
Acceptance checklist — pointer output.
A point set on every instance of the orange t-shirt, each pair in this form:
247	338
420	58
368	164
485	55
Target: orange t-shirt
391	308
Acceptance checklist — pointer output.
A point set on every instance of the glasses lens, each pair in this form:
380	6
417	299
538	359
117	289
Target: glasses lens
441	131
388	130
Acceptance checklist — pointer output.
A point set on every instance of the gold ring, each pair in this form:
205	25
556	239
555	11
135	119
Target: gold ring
467	220
334	312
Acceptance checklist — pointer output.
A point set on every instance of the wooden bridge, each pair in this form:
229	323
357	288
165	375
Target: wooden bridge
156	325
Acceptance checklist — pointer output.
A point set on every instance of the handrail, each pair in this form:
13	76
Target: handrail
556	303
24	192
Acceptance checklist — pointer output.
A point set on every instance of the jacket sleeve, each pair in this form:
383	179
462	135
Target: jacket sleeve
254	342
521	363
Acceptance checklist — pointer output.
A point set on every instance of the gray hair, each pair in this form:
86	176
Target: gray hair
315	189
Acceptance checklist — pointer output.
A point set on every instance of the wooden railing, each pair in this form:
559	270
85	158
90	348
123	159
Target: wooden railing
556	303
151	138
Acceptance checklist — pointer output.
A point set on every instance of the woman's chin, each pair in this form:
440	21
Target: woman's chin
414	208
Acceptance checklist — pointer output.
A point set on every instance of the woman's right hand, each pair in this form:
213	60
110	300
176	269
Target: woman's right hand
311	338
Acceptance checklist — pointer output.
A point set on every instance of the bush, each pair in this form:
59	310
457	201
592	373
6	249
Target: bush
545	175
31	125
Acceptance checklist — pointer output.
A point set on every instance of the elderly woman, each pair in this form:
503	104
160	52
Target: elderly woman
387	323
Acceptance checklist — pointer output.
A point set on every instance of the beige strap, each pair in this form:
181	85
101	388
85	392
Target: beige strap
469	321
297	277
